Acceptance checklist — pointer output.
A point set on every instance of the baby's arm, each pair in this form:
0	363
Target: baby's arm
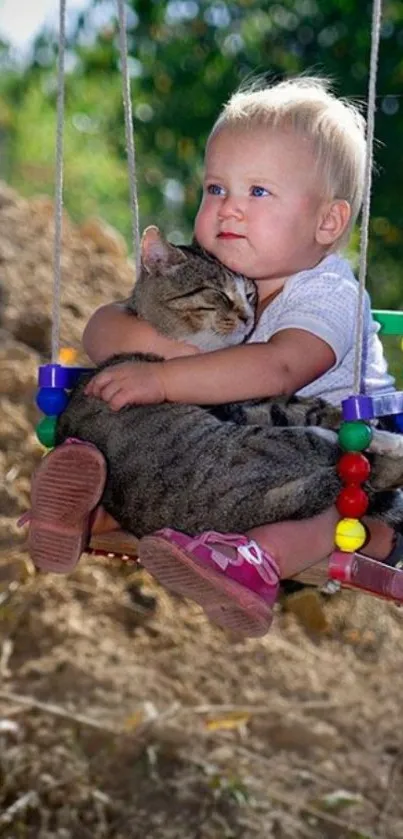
283	365
290	360
111	330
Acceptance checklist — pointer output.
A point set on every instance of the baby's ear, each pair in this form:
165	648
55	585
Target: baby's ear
157	252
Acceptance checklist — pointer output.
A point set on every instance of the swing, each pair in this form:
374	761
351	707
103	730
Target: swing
55	380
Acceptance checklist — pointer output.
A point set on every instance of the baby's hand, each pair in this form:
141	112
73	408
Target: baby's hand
127	384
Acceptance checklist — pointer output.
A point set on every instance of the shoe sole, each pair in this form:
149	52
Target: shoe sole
225	602
65	490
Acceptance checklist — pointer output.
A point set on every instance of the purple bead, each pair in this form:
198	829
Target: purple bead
368	407
54	375
357	408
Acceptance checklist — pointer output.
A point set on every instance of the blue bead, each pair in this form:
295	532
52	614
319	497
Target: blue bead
52	400
398	423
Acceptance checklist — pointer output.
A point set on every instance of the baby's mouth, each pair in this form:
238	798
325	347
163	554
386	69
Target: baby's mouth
230	236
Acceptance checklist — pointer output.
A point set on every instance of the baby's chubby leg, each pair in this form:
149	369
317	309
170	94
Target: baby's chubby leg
296	545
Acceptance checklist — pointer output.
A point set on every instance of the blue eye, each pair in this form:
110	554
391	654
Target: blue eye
259	191
215	189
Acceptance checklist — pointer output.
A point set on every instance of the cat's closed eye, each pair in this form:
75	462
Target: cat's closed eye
251	296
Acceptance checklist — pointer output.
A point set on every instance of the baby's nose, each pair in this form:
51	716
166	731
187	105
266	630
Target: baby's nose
230	207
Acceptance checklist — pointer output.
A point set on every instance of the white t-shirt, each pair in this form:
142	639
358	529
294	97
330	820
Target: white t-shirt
323	301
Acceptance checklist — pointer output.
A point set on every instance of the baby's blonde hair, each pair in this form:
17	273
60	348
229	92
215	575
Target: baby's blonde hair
335	128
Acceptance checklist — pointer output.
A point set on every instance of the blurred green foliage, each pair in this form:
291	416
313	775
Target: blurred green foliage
186	57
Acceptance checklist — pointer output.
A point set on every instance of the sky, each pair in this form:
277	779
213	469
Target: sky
21	20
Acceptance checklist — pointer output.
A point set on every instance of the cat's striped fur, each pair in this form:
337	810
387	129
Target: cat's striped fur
228	468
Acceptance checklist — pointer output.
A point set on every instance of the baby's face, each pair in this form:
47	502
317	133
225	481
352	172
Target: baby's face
262	202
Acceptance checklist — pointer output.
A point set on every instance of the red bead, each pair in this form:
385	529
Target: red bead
352	502
353	468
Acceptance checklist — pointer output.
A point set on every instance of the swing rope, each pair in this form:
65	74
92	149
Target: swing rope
59	163
57	245
130	145
366	202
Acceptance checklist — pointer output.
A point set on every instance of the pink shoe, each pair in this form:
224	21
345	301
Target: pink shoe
66	488
236	593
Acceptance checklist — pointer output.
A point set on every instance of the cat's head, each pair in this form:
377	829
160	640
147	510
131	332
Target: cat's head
188	295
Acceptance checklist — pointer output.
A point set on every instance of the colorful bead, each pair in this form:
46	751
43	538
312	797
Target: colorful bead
357	408
370	407
54	375
355	436
46	431
352	502
350	535
398	422
67	355
353	468
51	400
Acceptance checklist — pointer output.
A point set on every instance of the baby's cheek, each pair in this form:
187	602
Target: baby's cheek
308	205
202	228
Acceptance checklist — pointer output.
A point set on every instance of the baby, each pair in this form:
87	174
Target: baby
282	189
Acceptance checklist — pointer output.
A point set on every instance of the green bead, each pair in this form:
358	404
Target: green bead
46	431
355	436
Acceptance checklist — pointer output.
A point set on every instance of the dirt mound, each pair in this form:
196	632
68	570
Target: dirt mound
95	269
123	713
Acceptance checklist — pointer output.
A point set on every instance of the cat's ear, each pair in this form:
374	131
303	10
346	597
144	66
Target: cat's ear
157	252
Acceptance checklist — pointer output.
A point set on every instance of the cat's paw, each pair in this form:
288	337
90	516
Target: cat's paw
325	433
386	443
387	464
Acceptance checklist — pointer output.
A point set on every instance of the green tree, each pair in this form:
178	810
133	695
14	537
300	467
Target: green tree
186	56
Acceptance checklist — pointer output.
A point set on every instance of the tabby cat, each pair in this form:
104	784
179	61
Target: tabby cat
225	468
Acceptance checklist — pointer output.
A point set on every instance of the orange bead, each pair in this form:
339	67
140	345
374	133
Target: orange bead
352	502
67	355
353	468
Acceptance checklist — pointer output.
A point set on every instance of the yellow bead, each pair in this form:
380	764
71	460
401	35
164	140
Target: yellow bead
67	355
350	535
